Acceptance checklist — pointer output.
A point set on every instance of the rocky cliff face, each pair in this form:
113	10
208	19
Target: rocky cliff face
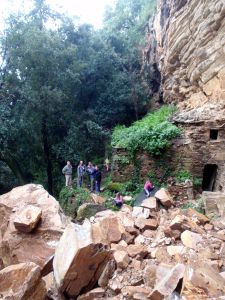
190	50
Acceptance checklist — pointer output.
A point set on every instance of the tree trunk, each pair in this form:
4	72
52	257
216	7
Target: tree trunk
15	167
134	97
47	156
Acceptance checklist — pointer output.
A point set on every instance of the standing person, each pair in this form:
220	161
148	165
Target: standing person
98	179
67	171
91	174
80	174
148	187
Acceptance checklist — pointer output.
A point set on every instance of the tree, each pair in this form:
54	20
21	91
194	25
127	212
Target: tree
64	86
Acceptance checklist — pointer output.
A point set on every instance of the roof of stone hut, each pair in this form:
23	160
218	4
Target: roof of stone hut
207	113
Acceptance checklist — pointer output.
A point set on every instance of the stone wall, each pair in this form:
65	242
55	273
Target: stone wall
192	151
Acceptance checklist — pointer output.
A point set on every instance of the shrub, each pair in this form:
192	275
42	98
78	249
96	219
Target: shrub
70	199
115	187
183	175
153	133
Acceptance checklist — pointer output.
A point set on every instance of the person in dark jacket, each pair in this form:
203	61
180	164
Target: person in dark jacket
98	179
91	174
80	173
67	171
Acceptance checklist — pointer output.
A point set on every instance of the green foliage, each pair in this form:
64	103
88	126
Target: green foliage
183	175
197	182
198	205
64	87
153	133
122	159
115	187
70	199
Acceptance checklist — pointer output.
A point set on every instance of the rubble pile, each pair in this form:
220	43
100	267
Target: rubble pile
146	252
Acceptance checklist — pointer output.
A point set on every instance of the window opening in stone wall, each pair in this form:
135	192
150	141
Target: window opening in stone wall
209	177
214	134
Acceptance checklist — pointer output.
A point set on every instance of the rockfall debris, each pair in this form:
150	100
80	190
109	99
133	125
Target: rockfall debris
147	252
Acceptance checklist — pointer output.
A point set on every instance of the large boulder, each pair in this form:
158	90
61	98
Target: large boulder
168	283
150	203
202	281
164	197
22	282
38	246
79	260
108	230
214	203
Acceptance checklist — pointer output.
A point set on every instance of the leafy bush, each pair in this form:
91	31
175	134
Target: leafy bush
153	133
115	187
70	199
122	159
197	182
183	175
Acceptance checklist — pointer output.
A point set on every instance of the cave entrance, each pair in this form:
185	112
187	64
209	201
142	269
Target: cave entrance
209	177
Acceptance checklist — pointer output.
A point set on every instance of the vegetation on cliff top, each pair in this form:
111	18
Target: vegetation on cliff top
152	134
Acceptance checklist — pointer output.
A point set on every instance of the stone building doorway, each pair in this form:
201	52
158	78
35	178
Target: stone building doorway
209	177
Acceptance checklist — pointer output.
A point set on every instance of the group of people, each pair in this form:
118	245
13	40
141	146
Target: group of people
93	172
95	178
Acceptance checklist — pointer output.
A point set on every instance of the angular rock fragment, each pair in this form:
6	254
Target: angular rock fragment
108	230
134	250
174	250
107	273
140	212
177	222
191	239
93	294
135	292
122	259
132	230
202	219
128	238
168	283
200	280
126	219
79	260
164	197
97	199
27	219
17	247
22	281
150	203
214	203
145	224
